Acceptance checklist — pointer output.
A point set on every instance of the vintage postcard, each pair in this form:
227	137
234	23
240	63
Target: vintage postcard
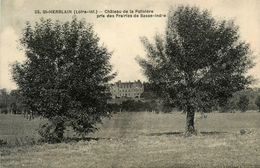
120	83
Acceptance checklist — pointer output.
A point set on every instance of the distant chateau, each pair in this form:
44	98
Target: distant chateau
132	90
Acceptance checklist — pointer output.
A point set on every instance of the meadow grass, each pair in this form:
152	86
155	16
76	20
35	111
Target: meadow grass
141	140
17	130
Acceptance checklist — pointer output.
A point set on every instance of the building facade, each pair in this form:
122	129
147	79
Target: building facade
132	90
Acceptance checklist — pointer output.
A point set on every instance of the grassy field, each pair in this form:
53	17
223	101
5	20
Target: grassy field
139	140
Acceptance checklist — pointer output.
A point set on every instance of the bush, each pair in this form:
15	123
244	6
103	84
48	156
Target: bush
257	102
4	110
243	103
2	142
229	106
52	132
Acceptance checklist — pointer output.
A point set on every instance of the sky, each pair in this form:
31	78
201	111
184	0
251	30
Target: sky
120	35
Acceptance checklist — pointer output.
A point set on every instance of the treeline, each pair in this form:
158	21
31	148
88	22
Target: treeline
11	102
242	101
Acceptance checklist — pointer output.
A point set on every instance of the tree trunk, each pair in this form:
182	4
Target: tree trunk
190	129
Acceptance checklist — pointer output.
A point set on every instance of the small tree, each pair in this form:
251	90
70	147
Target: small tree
65	76
257	102
243	103
199	63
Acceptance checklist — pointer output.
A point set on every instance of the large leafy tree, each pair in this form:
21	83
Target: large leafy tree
65	75
199	62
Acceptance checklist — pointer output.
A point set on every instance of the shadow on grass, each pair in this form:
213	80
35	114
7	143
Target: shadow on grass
203	133
77	139
165	133
213	133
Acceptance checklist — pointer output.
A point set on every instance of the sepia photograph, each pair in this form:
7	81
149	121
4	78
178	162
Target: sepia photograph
130	84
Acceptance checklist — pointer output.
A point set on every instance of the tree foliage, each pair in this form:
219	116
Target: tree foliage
198	63
65	75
